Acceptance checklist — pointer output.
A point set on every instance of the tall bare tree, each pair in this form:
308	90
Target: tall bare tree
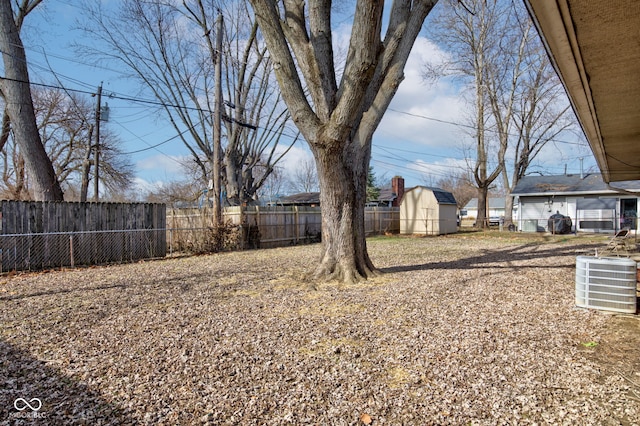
337	112
16	91
541	108
471	31
304	178
169	48
63	122
496	51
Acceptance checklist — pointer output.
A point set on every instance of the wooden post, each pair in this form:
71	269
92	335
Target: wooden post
297	223
217	128
71	251
96	183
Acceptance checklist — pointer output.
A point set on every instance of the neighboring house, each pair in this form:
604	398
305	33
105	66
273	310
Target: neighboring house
390	196
496	208
592	205
430	211
309	199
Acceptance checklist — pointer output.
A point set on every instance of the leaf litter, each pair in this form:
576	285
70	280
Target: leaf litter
458	330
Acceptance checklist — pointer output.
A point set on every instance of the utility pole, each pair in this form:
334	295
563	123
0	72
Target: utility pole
217	128
96	183
86	167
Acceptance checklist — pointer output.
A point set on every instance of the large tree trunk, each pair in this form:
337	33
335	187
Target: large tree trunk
482	220
338	117
343	183
508	210
19	105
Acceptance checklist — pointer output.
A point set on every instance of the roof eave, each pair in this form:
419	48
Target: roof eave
554	24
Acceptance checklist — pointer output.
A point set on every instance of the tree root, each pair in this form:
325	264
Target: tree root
337	271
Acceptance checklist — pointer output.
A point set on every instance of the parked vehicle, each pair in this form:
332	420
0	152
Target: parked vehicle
493	220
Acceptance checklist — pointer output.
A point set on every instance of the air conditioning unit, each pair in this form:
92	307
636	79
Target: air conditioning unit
606	283
530	225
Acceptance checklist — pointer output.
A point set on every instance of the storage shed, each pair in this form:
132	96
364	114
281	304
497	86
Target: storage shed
429	211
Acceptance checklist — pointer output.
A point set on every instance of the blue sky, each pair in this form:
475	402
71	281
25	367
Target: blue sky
422	137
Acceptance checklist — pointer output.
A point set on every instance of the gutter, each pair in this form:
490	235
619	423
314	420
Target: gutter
622	191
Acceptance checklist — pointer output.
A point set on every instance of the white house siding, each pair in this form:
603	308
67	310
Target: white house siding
571	211
592	205
588	214
596	214
534	212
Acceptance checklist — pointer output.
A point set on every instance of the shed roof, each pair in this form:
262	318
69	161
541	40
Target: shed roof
442	196
570	185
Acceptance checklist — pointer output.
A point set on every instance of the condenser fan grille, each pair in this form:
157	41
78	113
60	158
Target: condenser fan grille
606	283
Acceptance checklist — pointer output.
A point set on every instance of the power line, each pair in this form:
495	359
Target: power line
169	105
468	126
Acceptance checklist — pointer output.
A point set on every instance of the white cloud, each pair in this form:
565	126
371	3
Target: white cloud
296	155
433	172
169	165
421	112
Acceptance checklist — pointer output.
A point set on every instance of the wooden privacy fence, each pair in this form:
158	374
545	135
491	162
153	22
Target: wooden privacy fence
271	226
41	235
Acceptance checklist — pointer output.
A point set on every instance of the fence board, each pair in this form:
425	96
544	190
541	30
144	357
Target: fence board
276	225
37	235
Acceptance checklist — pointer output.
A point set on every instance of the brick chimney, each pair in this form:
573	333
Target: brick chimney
397	185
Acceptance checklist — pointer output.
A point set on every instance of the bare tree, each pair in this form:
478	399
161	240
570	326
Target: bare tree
63	126
176	194
304	178
275	185
169	48
461	186
14	185
541	111
181	193
496	51
15	89
471	32
337	114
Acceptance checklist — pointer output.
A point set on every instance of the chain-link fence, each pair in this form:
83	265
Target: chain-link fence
40	236
38	251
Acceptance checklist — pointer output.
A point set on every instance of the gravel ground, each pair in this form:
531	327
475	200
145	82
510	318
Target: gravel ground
460	330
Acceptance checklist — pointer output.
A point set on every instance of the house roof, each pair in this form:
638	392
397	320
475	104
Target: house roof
301	198
594	47
386	195
590	184
494	203
442	196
